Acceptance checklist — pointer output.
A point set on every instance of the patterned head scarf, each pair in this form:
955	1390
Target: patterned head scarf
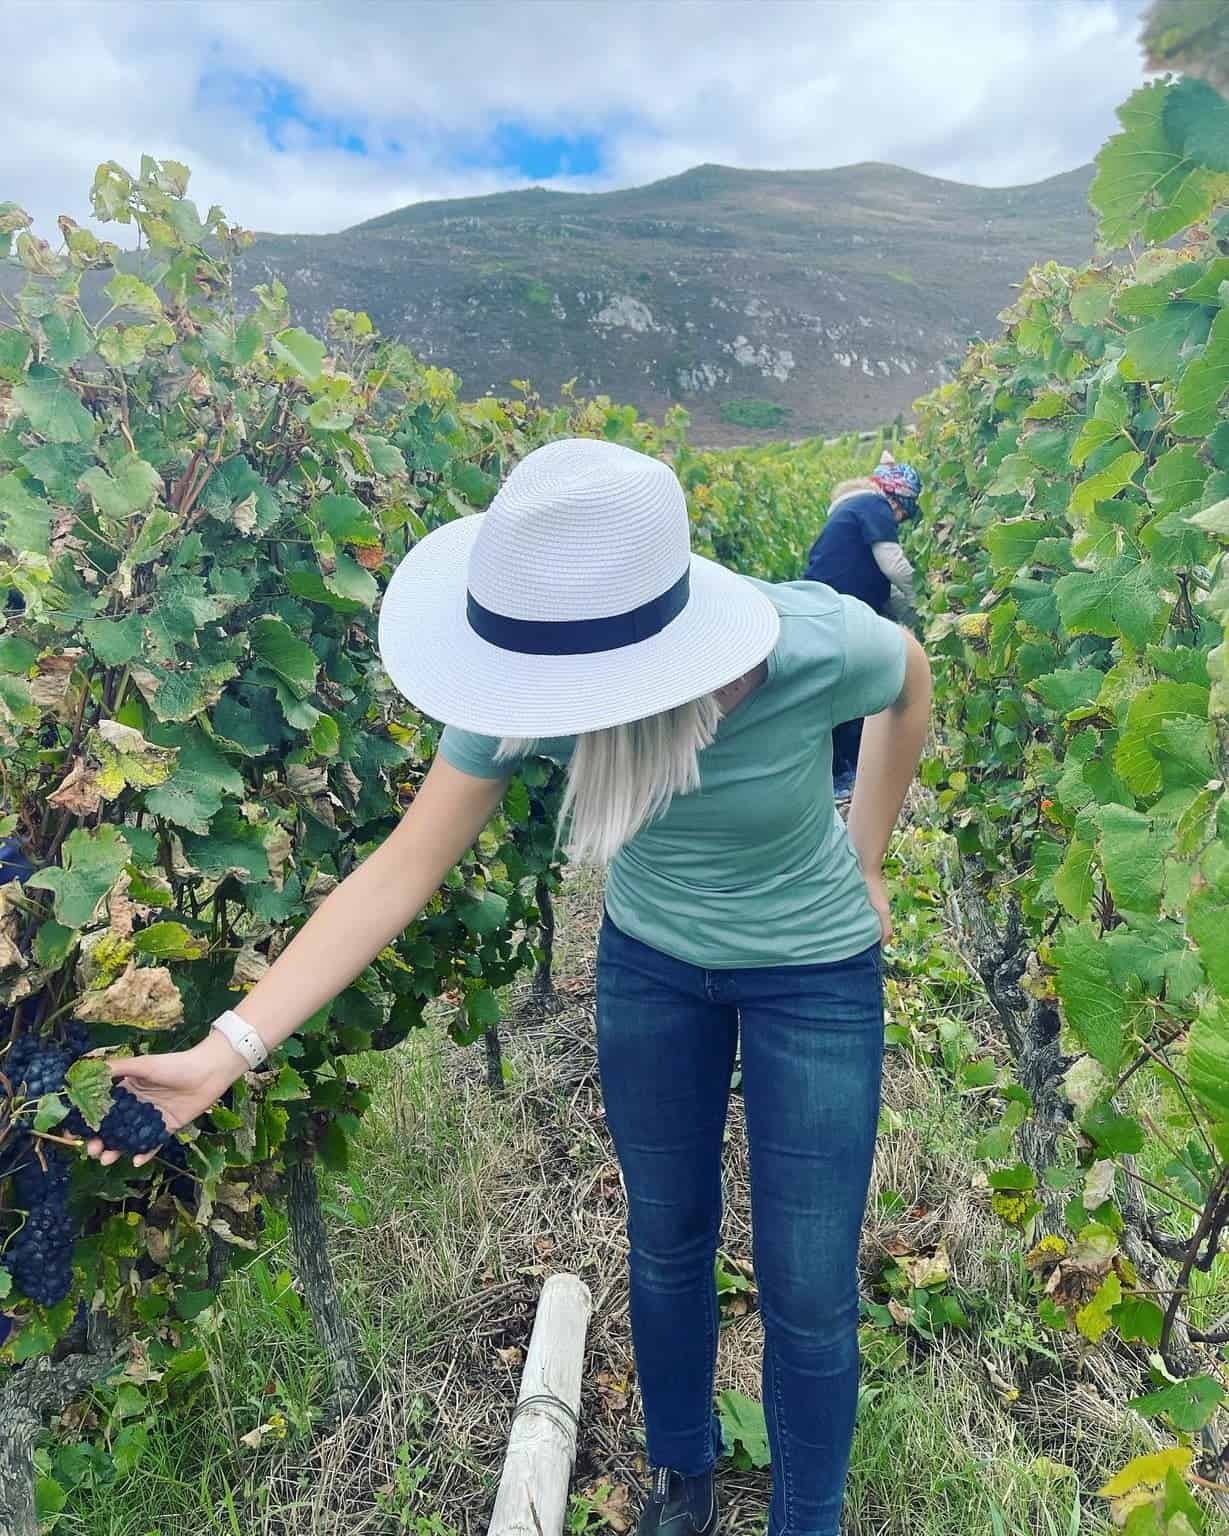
899	480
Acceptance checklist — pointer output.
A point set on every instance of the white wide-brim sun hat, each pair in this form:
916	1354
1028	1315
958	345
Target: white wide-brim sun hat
572	604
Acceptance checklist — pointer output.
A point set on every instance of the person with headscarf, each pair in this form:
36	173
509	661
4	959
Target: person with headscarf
858	553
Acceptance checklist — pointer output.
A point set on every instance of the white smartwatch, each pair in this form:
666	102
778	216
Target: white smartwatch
242	1037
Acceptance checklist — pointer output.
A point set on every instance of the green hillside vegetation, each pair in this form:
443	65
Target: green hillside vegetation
838	295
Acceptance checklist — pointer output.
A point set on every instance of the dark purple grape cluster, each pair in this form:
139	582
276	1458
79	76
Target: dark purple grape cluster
37	1070
40	1256
75	1124
181	1183
35	1066
76	1038
17	1058
34	1184
131	1125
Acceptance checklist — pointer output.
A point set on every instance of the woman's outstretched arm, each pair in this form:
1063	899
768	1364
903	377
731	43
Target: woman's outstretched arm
346	932
892	743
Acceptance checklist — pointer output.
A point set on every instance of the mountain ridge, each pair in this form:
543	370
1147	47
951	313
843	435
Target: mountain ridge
707	172
814	301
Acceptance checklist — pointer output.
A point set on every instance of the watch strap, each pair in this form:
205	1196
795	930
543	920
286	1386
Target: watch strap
242	1037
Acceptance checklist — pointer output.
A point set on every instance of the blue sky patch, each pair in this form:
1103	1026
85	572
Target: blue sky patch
289	120
282	111
540	157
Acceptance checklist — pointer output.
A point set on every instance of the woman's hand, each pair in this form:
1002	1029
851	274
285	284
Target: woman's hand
182	1084
877	890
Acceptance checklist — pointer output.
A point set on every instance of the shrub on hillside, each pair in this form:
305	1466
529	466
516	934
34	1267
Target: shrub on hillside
759	415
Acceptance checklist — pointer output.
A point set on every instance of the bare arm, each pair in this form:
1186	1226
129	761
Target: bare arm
892	743
366	911
374	904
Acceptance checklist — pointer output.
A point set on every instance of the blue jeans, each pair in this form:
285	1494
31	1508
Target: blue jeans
846	745
812	1045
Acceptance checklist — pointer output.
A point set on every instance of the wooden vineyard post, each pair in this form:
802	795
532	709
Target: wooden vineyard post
533	1490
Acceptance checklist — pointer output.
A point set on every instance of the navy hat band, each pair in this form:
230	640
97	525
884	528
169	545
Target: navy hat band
579	637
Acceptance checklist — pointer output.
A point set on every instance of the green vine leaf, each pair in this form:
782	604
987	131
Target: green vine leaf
1204	383
1073	881
1139	753
25	519
55	412
1123	597
50	1112
743	1428
1106	483
1188	1405
170	941
1207	1059
128	292
89	1088
128	488
1133	851
1196	121
1142	175
301	352
90	864
1093	1005
288	657
1177	478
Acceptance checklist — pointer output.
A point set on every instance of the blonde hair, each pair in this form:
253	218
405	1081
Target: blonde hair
622	778
853	487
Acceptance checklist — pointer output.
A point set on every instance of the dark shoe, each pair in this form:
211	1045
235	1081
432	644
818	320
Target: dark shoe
679	1506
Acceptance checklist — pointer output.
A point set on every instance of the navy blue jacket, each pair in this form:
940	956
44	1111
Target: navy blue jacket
841	556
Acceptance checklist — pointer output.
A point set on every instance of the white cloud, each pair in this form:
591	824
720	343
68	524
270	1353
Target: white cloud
992	91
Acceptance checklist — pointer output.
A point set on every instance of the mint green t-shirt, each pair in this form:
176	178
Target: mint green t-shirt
755	868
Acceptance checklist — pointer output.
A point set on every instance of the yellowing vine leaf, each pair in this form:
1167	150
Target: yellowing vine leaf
126	760
11	957
1093	1319
927	1269
1148	1471
78	791
142	998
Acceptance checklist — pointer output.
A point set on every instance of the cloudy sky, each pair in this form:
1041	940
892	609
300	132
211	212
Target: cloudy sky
311	116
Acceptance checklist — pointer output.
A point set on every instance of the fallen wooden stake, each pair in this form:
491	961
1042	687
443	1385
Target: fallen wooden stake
533	1490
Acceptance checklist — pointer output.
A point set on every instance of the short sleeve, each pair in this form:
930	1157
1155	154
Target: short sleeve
876	520
874	663
474	754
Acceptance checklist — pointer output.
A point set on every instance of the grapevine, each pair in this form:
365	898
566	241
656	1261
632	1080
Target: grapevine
199	503
1074	548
